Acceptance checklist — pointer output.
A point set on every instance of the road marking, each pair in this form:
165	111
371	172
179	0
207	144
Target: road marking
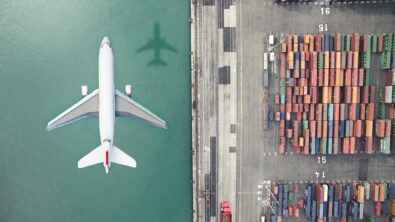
241	103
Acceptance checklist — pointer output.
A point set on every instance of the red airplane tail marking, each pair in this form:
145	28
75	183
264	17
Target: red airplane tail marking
107	158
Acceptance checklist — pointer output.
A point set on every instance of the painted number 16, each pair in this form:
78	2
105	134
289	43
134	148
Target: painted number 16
325	11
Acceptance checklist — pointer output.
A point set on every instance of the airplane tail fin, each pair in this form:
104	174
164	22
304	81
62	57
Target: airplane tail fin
94	157
119	157
157	62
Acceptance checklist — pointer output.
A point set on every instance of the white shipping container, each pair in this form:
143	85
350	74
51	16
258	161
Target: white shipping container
271	39
325	192
265	60
388	94
360	211
272	57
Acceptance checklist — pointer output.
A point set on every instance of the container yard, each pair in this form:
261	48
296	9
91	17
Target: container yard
293	110
328	104
332	201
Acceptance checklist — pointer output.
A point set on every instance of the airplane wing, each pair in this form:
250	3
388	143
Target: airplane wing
85	108
165	45
148	45
126	107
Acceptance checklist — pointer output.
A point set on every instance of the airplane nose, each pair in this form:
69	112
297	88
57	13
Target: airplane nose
105	41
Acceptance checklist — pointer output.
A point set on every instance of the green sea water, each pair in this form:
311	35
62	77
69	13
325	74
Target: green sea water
48	49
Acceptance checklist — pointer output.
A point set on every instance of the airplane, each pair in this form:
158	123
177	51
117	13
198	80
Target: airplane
106	103
157	44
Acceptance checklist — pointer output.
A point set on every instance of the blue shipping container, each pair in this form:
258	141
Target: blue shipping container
330	128
329	146
344	210
341	128
330	112
336	209
330	42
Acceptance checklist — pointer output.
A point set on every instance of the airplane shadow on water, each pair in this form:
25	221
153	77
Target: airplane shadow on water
157	44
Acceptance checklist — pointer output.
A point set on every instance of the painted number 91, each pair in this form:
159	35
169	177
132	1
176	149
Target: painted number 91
323	27
325	11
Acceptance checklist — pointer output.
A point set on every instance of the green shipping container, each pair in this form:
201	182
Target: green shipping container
387	42
367	190
342	43
385	60
282	86
305	124
348	41
329	145
320	60
374	43
291	195
369	219
323	145
385	145
385	191
369	42
365	60
367	77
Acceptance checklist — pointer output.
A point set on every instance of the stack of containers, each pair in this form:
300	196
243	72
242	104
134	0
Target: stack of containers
323	82
281	201
328	202
388	50
265	85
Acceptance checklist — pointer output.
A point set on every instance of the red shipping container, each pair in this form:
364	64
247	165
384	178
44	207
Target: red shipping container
347	94
282	140
369	145
370	112
281	149
377	208
282	73
354	77
358	128
318	129
320	77
332	77
307	56
366	46
314	94
335	145
313	77
349	60
380	127
365	94
336	94
352	145
336	129
318	43
362	111
312	128
391	114
282	107
380	43
312	112
388	78
336	111
306	110
319	193
313	63
318	115
339	77
289	107
347	77
346	145
355	42
368	128
289	133
337	42
361	77
372	91
351	124
296	188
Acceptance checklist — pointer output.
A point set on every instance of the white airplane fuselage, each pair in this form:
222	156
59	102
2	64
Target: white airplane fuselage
106	99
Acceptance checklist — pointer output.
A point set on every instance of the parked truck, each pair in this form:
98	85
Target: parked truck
226	215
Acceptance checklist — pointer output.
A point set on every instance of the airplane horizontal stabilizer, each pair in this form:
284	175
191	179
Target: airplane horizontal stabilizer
94	157
120	157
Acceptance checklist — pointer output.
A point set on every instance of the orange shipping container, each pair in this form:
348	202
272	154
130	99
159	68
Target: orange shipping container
283	47
311	44
312	128
329	94
338	60
332	77
361	194
358	128
381	193
281	149
335	129
325	95
346	144
369	128
335	145
326	60
361	77
355	62
393	207
336	111
387	128
326	77
352	145
362	111
355	94
354	77
370	112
